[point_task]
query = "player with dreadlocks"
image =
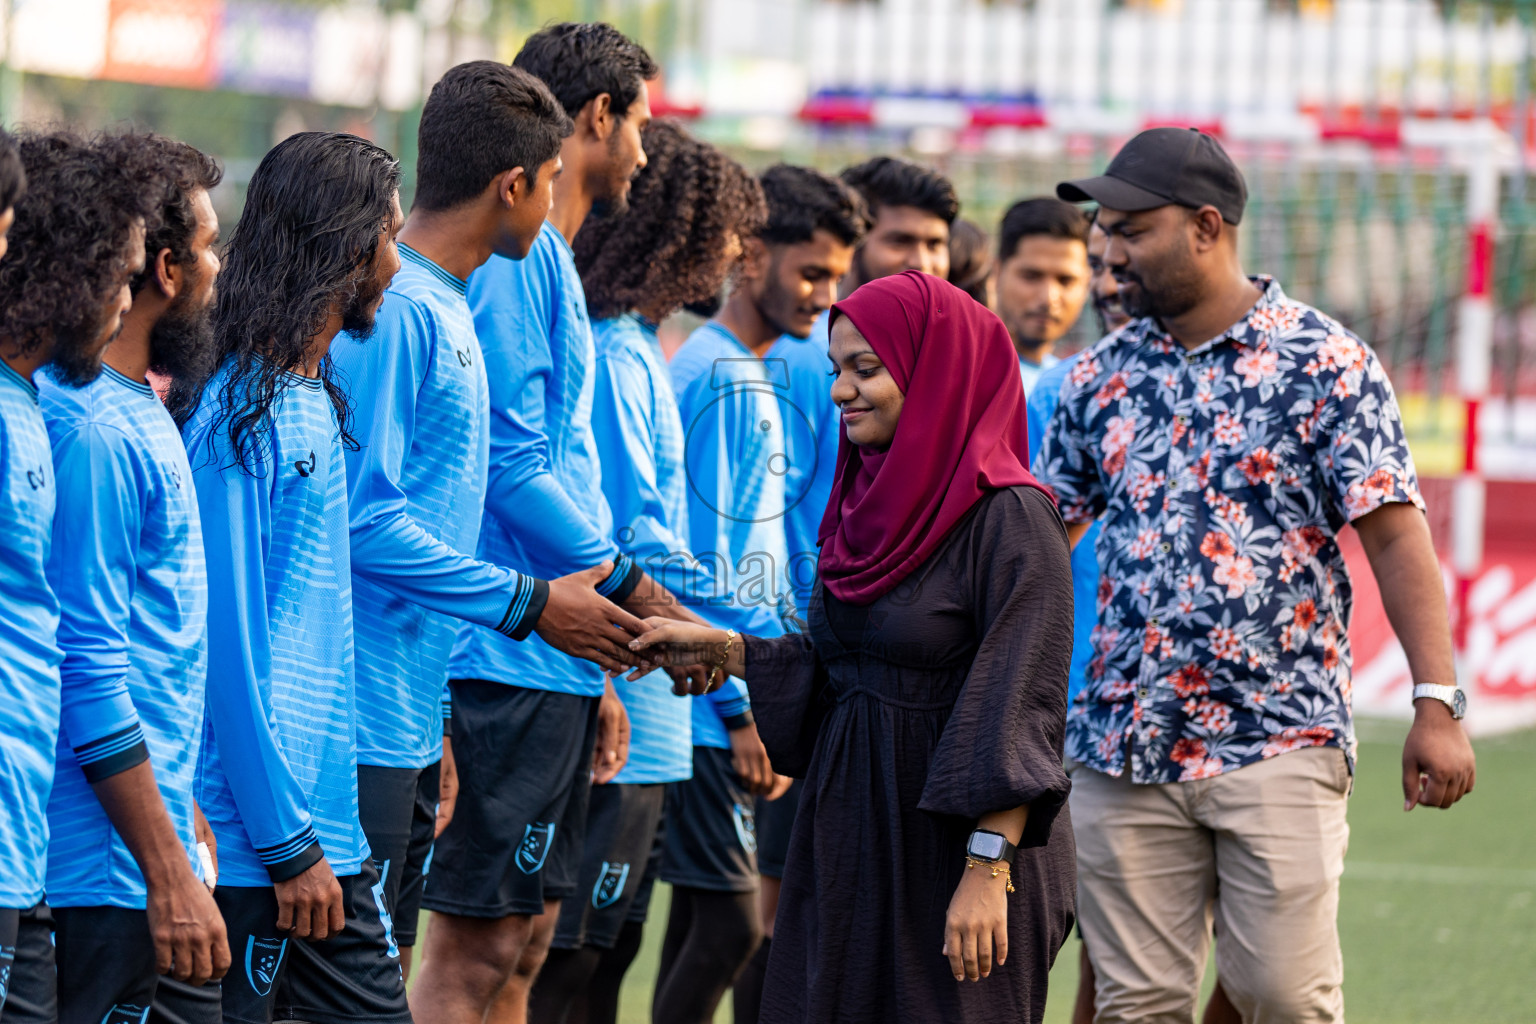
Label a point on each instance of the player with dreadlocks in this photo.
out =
(689, 211)
(277, 775)
(76, 240)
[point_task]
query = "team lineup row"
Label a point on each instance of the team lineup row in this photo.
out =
(363, 564)
(260, 586)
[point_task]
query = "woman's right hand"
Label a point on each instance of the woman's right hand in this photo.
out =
(678, 644)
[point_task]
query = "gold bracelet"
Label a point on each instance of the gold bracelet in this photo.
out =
(715, 673)
(998, 867)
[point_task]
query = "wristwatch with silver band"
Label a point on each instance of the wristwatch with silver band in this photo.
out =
(1451, 696)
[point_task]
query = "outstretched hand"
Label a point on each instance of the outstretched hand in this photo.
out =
(693, 648)
(585, 624)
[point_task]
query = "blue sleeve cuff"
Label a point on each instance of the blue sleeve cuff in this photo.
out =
(527, 604)
(292, 858)
(106, 757)
(622, 581)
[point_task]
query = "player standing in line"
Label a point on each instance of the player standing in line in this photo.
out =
(277, 775)
(513, 849)
(1042, 279)
(75, 237)
(688, 213)
(489, 153)
(735, 395)
(912, 209)
(136, 923)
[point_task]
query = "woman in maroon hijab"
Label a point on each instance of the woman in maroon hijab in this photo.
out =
(925, 707)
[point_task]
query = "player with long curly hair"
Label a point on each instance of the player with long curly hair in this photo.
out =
(277, 772)
(689, 211)
(76, 239)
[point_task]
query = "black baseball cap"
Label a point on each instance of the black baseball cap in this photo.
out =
(1181, 166)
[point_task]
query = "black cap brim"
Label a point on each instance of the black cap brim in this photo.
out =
(1111, 193)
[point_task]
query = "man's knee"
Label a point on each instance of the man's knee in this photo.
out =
(541, 932)
(1275, 992)
(471, 946)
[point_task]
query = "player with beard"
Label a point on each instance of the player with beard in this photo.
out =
(489, 155)
(688, 212)
(512, 851)
(125, 879)
(277, 772)
(1042, 279)
(735, 392)
(75, 239)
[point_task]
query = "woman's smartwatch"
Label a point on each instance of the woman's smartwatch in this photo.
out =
(991, 846)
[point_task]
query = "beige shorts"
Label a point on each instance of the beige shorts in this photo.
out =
(1269, 837)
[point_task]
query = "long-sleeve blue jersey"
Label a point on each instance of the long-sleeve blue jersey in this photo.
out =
(127, 565)
(1039, 408)
(544, 507)
(640, 440)
(812, 429)
(416, 485)
(737, 463)
(277, 775)
(29, 683)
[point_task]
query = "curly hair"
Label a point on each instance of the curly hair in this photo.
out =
(69, 247)
(305, 244)
(581, 61)
(672, 247)
(891, 181)
(13, 178)
(182, 170)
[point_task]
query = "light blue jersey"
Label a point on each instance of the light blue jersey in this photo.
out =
(127, 566)
(737, 463)
(29, 652)
(812, 429)
(640, 440)
(1031, 373)
(1040, 407)
(416, 484)
(544, 507)
(278, 769)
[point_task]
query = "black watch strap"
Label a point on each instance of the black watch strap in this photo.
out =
(990, 841)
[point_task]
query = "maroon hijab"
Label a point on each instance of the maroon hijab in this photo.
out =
(962, 433)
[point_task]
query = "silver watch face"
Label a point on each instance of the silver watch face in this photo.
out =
(1459, 704)
(986, 846)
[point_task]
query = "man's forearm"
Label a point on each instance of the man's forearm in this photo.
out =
(1397, 541)
(132, 801)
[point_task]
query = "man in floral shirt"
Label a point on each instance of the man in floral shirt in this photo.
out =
(1226, 434)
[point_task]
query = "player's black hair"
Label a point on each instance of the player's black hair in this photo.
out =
(970, 258)
(889, 181)
(69, 248)
(669, 249)
(182, 170)
(580, 61)
(801, 200)
(306, 243)
(1042, 215)
(13, 177)
(482, 119)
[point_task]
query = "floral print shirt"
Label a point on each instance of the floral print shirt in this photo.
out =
(1223, 475)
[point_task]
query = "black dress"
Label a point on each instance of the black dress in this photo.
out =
(909, 719)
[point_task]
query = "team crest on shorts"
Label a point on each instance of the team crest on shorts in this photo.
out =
(531, 852)
(610, 885)
(746, 826)
(262, 959)
(7, 957)
(126, 1013)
